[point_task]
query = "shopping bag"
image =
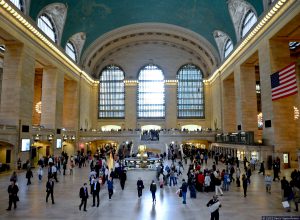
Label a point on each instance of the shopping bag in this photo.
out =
(285, 204)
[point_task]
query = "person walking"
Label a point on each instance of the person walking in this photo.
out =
(14, 177)
(96, 191)
(238, 175)
(122, 177)
(40, 173)
(153, 189)
(140, 187)
(214, 206)
(50, 189)
(245, 184)
(183, 188)
(12, 190)
(218, 186)
(268, 182)
(84, 195)
(110, 187)
(29, 175)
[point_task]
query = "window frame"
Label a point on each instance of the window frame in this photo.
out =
(107, 100)
(72, 49)
(202, 96)
(247, 21)
(226, 47)
(53, 28)
(139, 116)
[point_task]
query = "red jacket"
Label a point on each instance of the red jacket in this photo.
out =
(201, 178)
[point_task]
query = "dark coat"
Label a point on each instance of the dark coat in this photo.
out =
(140, 184)
(153, 187)
(49, 186)
(13, 191)
(97, 187)
(83, 193)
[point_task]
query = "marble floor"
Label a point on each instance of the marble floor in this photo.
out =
(126, 205)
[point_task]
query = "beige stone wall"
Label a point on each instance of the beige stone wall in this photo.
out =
(17, 85)
(130, 107)
(171, 106)
(70, 105)
(216, 104)
(229, 104)
(87, 103)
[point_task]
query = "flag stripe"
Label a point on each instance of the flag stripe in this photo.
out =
(284, 82)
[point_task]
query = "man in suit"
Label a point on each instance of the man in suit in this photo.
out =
(96, 191)
(84, 195)
(50, 188)
(13, 195)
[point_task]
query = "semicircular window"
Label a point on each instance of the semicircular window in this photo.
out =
(248, 22)
(111, 93)
(46, 25)
(19, 4)
(228, 48)
(151, 92)
(70, 50)
(190, 92)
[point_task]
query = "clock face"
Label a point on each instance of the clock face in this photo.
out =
(38, 107)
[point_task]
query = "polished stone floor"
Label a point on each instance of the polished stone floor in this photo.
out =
(126, 205)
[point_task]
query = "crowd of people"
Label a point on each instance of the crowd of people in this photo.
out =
(196, 177)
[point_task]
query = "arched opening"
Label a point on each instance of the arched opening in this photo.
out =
(46, 25)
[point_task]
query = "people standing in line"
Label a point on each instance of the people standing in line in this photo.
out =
(268, 182)
(153, 189)
(110, 187)
(12, 190)
(214, 206)
(123, 178)
(50, 189)
(84, 195)
(140, 187)
(29, 175)
(40, 173)
(245, 184)
(14, 177)
(96, 191)
(183, 188)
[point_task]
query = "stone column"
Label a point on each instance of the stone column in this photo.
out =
(17, 85)
(131, 105)
(171, 105)
(70, 105)
(52, 98)
(229, 111)
(246, 101)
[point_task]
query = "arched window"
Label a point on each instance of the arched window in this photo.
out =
(19, 4)
(111, 93)
(70, 50)
(249, 20)
(151, 93)
(190, 92)
(228, 48)
(46, 25)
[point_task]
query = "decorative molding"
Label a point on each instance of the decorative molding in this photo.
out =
(58, 14)
(78, 41)
(238, 10)
(221, 39)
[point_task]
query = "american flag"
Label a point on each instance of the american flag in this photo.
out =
(284, 82)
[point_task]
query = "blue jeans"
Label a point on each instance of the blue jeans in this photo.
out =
(173, 179)
(184, 197)
(153, 196)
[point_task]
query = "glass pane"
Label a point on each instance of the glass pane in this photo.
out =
(190, 92)
(151, 93)
(248, 22)
(70, 50)
(112, 93)
(47, 27)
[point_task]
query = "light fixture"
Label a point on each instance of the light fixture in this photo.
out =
(38, 107)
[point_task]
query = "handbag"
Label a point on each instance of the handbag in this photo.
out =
(180, 193)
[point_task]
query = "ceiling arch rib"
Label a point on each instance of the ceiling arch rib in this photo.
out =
(238, 10)
(58, 13)
(221, 38)
(169, 34)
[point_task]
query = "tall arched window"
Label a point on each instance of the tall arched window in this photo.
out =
(190, 92)
(70, 50)
(228, 48)
(19, 4)
(46, 25)
(111, 93)
(151, 92)
(249, 20)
